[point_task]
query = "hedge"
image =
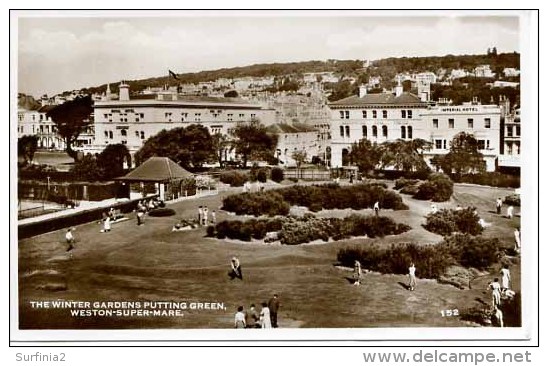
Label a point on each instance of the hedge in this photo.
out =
(513, 200)
(293, 230)
(445, 222)
(234, 178)
(493, 179)
(277, 174)
(316, 198)
(438, 188)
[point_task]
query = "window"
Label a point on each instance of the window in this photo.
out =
(374, 131)
(142, 115)
(142, 135)
(487, 144)
(384, 114)
(123, 132)
(481, 144)
(110, 135)
(342, 131)
(384, 131)
(435, 123)
(137, 133)
(518, 130)
(106, 134)
(364, 114)
(518, 148)
(403, 113)
(347, 129)
(508, 148)
(402, 132)
(487, 122)
(342, 114)
(409, 132)
(509, 131)
(445, 144)
(451, 123)
(470, 123)
(438, 144)
(374, 114)
(409, 113)
(364, 131)
(347, 114)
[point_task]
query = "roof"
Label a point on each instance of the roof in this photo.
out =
(379, 99)
(156, 169)
(290, 128)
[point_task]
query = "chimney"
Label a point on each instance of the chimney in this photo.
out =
(363, 91)
(124, 92)
(399, 90)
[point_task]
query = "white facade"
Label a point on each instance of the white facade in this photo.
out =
(458, 73)
(511, 146)
(385, 117)
(36, 123)
(510, 71)
(483, 71)
(132, 121)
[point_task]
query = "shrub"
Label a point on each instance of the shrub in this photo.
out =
(261, 203)
(411, 190)
(511, 308)
(277, 174)
(493, 179)
(513, 200)
(211, 231)
(262, 175)
(161, 212)
(438, 188)
(473, 251)
(404, 182)
(445, 222)
(235, 179)
(479, 315)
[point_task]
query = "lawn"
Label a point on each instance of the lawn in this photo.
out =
(152, 263)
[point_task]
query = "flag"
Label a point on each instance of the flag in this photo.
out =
(174, 75)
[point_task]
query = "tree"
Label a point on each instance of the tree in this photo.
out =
(111, 160)
(189, 147)
(72, 118)
(365, 155)
(26, 147)
(221, 144)
(405, 155)
(231, 94)
(251, 140)
(464, 156)
(86, 169)
(300, 157)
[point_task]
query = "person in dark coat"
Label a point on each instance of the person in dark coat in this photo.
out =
(273, 306)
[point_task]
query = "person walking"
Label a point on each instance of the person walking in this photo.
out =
(264, 317)
(377, 208)
(505, 278)
(517, 238)
(236, 269)
(412, 278)
(497, 313)
(499, 205)
(273, 306)
(239, 318)
(70, 240)
(495, 292)
(357, 273)
(510, 212)
(252, 318)
(140, 217)
(106, 225)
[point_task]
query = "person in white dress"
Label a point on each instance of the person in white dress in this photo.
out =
(505, 272)
(377, 208)
(510, 212)
(106, 225)
(239, 318)
(495, 292)
(517, 237)
(264, 317)
(357, 273)
(498, 315)
(412, 278)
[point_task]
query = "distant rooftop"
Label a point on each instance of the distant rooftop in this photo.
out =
(379, 99)
(290, 128)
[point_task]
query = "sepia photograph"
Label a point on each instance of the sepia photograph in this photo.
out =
(356, 174)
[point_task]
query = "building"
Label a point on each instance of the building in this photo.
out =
(296, 137)
(130, 121)
(425, 77)
(458, 74)
(388, 117)
(442, 123)
(510, 72)
(484, 71)
(511, 140)
(376, 117)
(35, 122)
(505, 84)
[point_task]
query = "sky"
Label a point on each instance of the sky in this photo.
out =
(72, 52)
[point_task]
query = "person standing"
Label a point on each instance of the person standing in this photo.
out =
(252, 318)
(200, 215)
(412, 278)
(497, 313)
(495, 292)
(517, 238)
(357, 273)
(505, 272)
(510, 212)
(213, 218)
(499, 205)
(206, 214)
(273, 306)
(377, 208)
(140, 216)
(236, 269)
(264, 317)
(239, 318)
(106, 224)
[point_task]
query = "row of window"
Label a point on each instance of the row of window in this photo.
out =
(406, 131)
(123, 132)
(440, 144)
(510, 131)
(470, 121)
(405, 113)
